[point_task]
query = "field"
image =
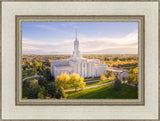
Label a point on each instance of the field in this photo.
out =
(105, 92)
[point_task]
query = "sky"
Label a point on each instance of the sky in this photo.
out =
(47, 38)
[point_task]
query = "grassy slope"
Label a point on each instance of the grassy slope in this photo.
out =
(90, 79)
(105, 92)
(96, 83)
(92, 84)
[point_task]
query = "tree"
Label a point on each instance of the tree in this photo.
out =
(33, 93)
(25, 91)
(42, 82)
(34, 89)
(110, 75)
(102, 77)
(47, 74)
(62, 80)
(76, 81)
(28, 65)
(42, 93)
(25, 88)
(52, 90)
(35, 66)
(34, 84)
(115, 59)
(24, 67)
(60, 93)
(117, 84)
(133, 76)
(49, 62)
(26, 83)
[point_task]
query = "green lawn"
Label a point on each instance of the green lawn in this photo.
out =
(105, 92)
(92, 84)
(96, 83)
(90, 79)
(25, 73)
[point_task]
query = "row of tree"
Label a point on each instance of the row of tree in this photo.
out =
(41, 89)
(122, 63)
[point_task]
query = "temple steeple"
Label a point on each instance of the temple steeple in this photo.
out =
(76, 33)
(76, 52)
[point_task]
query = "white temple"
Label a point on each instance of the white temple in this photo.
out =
(76, 64)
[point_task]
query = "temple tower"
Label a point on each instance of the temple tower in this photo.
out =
(76, 52)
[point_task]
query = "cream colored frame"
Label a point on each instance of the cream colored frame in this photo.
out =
(88, 109)
(138, 19)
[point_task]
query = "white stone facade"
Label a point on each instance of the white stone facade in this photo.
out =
(76, 64)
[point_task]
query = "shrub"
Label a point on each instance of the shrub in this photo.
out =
(60, 93)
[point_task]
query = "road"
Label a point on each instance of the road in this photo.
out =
(90, 87)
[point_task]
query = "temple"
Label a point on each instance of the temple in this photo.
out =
(77, 64)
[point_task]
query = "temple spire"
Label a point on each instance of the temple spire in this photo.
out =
(76, 33)
(76, 52)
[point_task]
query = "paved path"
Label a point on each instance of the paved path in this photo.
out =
(36, 75)
(90, 86)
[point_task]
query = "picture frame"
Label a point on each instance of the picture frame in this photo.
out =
(139, 19)
(79, 105)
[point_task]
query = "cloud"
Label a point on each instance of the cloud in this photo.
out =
(127, 45)
(47, 27)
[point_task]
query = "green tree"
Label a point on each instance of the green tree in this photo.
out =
(42, 93)
(76, 81)
(60, 93)
(25, 91)
(33, 93)
(102, 77)
(26, 83)
(42, 82)
(133, 76)
(110, 75)
(117, 84)
(36, 65)
(62, 80)
(25, 88)
(24, 67)
(52, 90)
(34, 89)
(49, 62)
(34, 84)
